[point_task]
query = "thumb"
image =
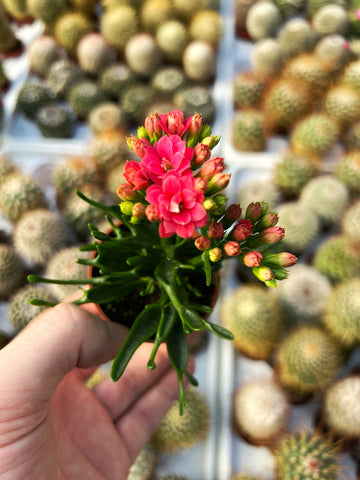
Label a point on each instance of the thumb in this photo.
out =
(55, 342)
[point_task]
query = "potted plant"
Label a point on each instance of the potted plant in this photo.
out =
(168, 238)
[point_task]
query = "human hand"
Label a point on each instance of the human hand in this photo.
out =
(54, 427)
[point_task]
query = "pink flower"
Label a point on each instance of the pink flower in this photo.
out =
(169, 153)
(135, 176)
(242, 230)
(252, 259)
(202, 153)
(173, 123)
(211, 167)
(232, 248)
(179, 205)
(138, 145)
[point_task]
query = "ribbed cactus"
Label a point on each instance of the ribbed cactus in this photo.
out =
(248, 130)
(12, 271)
(252, 314)
(347, 170)
(307, 360)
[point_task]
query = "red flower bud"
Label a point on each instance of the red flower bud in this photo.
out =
(138, 210)
(202, 153)
(202, 243)
(138, 145)
(125, 192)
(242, 230)
(211, 167)
(253, 211)
(201, 185)
(233, 212)
(152, 126)
(232, 248)
(252, 259)
(272, 235)
(152, 213)
(216, 230)
(215, 254)
(195, 125)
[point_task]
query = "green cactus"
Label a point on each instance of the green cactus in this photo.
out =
(293, 171)
(290, 8)
(46, 10)
(177, 432)
(19, 194)
(342, 102)
(12, 271)
(315, 134)
(94, 53)
(332, 51)
(84, 96)
(153, 13)
(118, 24)
(347, 170)
(338, 257)
(62, 76)
(8, 40)
(253, 189)
(307, 360)
(261, 410)
(199, 61)
(307, 68)
(17, 9)
(172, 37)
(303, 296)
(263, 20)
(296, 36)
(341, 407)
(252, 314)
(106, 116)
(327, 197)
(248, 90)
(342, 313)
(185, 9)
(248, 131)
(69, 28)
(206, 25)
(351, 221)
(42, 53)
(31, 97)
(109, 149)
(116, 79)
(330, 19)
(142, 54)
(39, 234)
(63, 265)
(307, 456)
(85, 6)
(198, 99)
(55, 120)
(144, 465)
(168, 80)
(267, 58)
(7, 167)
(314, 5)
(351, 74)
(20, 311)
(136, 101)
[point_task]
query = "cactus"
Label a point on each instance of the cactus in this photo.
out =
(342, 102)
(109, 149)
(314, 5)
(199, 61)
(136, 100)
(314, 134)
(266, 58)
(17, 9)
(8, 40)
(144, 465)
(351, 75)
(114, 177)
(168, 80)
(290, 8)
(327, 197)
(285, 102)
(263, 20)
(332, 50)
(84, 96)
(116, 79)
(118, 24)
(347, 171)
(64, 265)
(70, 28)
(253, 189)
(295, 37)
(293, 171)
(338, 257)
(206, 26)
(351, 221)
(248, 131)
(307, 68)
(46, 10)
(196, 99)
(84, 6)
(55, 120)
(252, 314)
(261, 410)
(341, 407)
(106, 116)
(39, 234)
(172, 37)
(18, 195)
(20, 311)
(7, 167)
(62, 76)
(307, 456)
(42, 53)
(142, 54)
(303, 296)
(248, 90)
(12, 271)
(94, 53)
(153, 13)
(177, 432)
(330, 19)
(307, 360)
(31, 97)
(342, 313)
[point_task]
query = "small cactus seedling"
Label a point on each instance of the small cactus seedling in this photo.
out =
(32, 96)
(342, 102)
(7, 167)
(145, 463)
(55, 120)
(351, 75)
(94, 53)
(143, 55)
(252, 189)
(263, 20)
(196, 99)
(199, 61)
(249, 130)
(267, 58)
(116, 79)
(206, 26)
(109, 149)
(347, 171)
(17, 9)
(307, 68)
(42, 53)
(291, 8)
(69, 28)
(296, 36)
(168, 80)
(46, 10)
(248, 90)
(332, 50)
(118, 24)
(84, 96)
(330, 19)
(106, 116)
(153, 13)
(12, 271)
(172, 37)
(307, 360)
(136, 101)
(62, 76)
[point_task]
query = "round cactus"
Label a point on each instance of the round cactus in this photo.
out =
(46, 10)
(291, 8)
(314, 5)
(94, 53)
(306, 456)
(351, 75)
(168, 80)
(20, 311)
(42, 53)
(252, 314)
(348, 171)
(206, 26)
(12, 271)
(17, 9)
(260, 410)
(330, 19)
(196, 99)
(154, 13)
(307, 360)
(39, 234)
(248, 131)
(327, 197)
(248, 90)
(342, 313)
(136, 100)
(116, 79)
(342, 102)
(19, 194)
(172, 37)
(338, 257)
(303, 296)
(142, 54)
(199, 61)
(63, 265)
(114, 177)
(7, 167)
(106, 116)
(118, 24)
(351, 221)
(253, 189)
(296, 36)
(84, 96)
(333, 52)
(62, 76)
(263, 20)
(69, 28)
(177, 432)
(144, 465)
(341, 407)
(266, 58)
(109, 149)
(307, 68)
(31, 97)
(55, 120)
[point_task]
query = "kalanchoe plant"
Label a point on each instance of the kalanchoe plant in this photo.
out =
(169, 235)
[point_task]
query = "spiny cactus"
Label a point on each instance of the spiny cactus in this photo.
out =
(12, 271)
(350, 225)
(263, 20)
(198, 99)
(347, 170)
(314, 5)
(342, 102)
(84, 96)
(109, 149)
(32, 96)
(295, 37)
(351, 74)
(118, 24)
(248, 90)
(94, 53)
(172, 37)
(17, 9)
(341, 407)
(332, 50)
(142, 54)
(69, 28)
(260, 410)
(168, 80)
(153, 13)
(106, 116)
(7, 167)
(342, 312)
(307, 68)
(136, 100)
(46, 10)
(116, 79)
(206, 25)
(55, 120)
(62, 76)
(307, 360)
(307, 456)
(330, 19)
(248, 131)
(252, 314)
(267, 58)
(199, 61)
(39, 234)
(144, 465)
(177, 432)
(42, 53)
